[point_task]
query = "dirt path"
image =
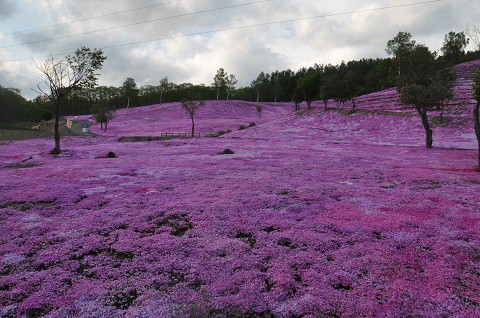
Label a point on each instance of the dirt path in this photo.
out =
(47, 132)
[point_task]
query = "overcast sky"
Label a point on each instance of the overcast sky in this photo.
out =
(342, 30)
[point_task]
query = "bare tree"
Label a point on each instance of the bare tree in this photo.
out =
(64, 76)
(191, 107)
(259, 110)
(473, 33)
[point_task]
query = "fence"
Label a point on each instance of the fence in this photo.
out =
(178, 135)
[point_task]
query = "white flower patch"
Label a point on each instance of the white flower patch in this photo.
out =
(11, 259)
(100, 189)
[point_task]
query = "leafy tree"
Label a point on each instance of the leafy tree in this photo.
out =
(476, 112)
(231, 82)
(191, 108)
(260, 84)
(220, 81)
(325, 92)
(309, 86)
(384, 71)
(297, 98)
(13, 107)
(276, 85)
(164, 87)
(103, 113)
(425, 83)
(453, 47)
(399, 46)
(62, 77)
(130, 90)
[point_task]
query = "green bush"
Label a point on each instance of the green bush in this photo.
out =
(226, 152)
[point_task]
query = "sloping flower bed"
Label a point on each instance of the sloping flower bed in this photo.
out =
(313, 215)
(171, 118)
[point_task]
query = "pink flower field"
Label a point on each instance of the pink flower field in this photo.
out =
(315, 214)
(171, 118)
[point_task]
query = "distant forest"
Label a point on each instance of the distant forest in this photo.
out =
(319, 82)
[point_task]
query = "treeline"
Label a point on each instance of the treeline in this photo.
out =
(15, 108)
(341, 82)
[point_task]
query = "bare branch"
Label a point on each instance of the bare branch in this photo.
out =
(473, 33)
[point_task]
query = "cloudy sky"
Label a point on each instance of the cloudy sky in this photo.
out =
(188, 40)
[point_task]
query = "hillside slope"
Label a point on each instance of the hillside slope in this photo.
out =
(461, 105)
(310, 217)
(171, 118)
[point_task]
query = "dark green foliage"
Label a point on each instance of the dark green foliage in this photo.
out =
(220, 81)
(309, 86)
(13, 107)
(242, 127)
(21, 166)
(454, 46)
(226, 152)
(252, 125)
(102, 113)
(124, 299)
(130, 91)
(400, 45)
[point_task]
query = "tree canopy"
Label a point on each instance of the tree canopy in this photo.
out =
(60, 78)
(425, 83)
(454, 45)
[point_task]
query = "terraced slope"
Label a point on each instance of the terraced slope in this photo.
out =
(462, 103)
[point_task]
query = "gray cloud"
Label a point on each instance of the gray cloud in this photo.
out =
(7, 8)
(243, 52)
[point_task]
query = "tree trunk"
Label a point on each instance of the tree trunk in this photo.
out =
(476, 113)
(218, 94)
(228, 94)
(56, 150)
(354, 107)
(428, 131)
(161, 95)
(105, 129)
(128, 102)
(193, 128)
(258, 97)
(325, 103)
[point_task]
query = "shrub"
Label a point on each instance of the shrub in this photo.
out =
(111, 154)
(226, 152)
(242, 127)
(252, 125)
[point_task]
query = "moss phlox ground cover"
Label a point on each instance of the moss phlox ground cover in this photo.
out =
(312, 214)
